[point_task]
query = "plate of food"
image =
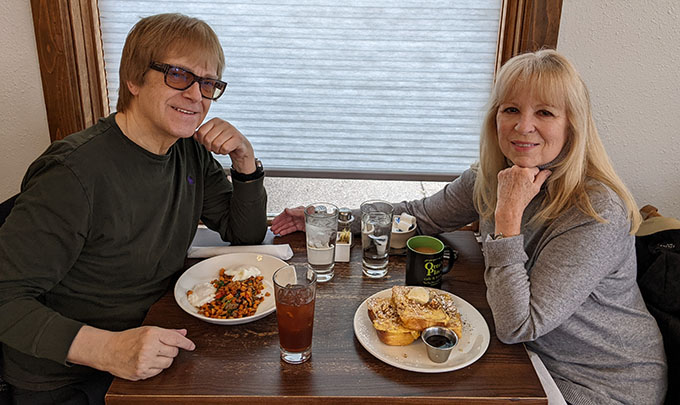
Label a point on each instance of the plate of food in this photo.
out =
(388, 325)
(229, 289)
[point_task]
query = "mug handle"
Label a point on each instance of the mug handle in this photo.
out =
(452, 256)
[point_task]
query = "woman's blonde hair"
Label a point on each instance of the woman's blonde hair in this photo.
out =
(159, 36)
(554, 81)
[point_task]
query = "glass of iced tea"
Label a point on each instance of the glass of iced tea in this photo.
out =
(295, 294)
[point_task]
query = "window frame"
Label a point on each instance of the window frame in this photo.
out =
(69, 43)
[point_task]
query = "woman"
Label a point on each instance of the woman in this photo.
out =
(558, 227)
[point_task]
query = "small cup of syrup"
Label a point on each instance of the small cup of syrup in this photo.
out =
(439, 343)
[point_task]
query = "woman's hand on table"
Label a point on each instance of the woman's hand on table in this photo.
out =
(289, 221)
(133, 354)
(517, 186)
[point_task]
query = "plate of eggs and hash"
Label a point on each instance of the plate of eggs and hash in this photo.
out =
(229, 289)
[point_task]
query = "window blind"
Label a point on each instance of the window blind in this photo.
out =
(345, 87)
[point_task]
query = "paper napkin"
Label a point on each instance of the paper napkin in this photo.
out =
(208, 243)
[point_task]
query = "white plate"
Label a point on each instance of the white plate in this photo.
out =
(413, 357)
(209, 269)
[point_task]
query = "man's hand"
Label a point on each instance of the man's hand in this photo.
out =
(133, 354)
(221, 137)
(289, 221)
(517, 186)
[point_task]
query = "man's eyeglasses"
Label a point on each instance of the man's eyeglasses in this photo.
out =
(182, 79)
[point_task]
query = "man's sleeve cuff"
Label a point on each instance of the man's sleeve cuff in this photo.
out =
(244, 178)
(56, 338)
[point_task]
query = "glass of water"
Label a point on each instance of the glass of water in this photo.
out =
(321, 228)
(376, 228)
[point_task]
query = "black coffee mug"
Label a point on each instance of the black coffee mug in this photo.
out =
(425, 261)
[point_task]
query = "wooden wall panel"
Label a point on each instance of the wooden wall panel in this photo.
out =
(527, 25)
(71, 63)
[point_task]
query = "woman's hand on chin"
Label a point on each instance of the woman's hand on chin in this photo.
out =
(517, 186)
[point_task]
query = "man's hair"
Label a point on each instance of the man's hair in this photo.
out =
(553, 80)
(160, 36)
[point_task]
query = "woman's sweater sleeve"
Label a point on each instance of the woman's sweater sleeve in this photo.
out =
(446, 210)
(574, 255)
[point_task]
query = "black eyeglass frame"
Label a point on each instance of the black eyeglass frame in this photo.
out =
(165, 68)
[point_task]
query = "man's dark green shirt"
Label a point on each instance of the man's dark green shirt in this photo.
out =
(99, 231)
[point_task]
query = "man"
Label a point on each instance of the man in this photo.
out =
(106, 215)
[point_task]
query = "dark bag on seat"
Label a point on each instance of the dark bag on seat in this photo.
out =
(658, 259)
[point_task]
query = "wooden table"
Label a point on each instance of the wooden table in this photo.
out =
(240, 364)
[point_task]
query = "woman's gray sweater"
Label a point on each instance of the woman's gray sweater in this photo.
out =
(568, 291)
